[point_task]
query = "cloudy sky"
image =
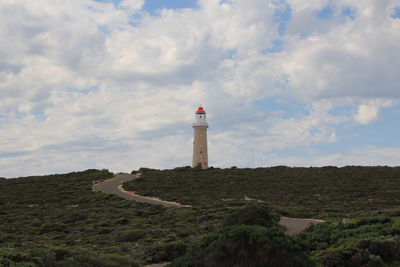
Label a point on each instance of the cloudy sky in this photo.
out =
(115, 83)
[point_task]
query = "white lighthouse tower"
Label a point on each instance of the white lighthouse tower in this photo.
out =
(200, 153)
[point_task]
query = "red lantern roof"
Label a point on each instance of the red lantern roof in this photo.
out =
(200, 110)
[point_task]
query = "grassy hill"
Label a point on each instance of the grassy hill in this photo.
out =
(299, 192)
(58, 220)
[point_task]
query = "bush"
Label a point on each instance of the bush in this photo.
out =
(147, 170)
(246, 245)
(121, 221)
(182, 169)
(329, 258)
(368, 252)
(53, 227)
(85, 258)
(396, 226)
(167, 251)
(388, 249)
(14, 259)
(131, 236)
(251, 214)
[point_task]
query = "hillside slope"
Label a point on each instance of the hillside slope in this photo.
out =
(297, 192)
(58, 220)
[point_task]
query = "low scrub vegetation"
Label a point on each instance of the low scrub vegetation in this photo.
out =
(251, 237)
(298, 192)
(58, 220)
(367, 241)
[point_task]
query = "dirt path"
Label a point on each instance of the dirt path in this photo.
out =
(114, 186)
(296, 225)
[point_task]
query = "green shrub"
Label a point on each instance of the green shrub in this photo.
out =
(246, 245)
(53, 227)
(131, 236)
(251, 214)
(352, 223)
(329, 258)
(396, 226)
(166, 251)
(15, 259)
(147, 170)
(121, 221)
(182, 169)
(368, 252)
(388, 249)
(62, 257)
(321, 236)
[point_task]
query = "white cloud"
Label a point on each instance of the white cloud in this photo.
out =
(366, 114)
(351, 59)
(369, 111)
(132, 5)
(83, 85)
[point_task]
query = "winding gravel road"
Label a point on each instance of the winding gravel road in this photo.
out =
(114, 186)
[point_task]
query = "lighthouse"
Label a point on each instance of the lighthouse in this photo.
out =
(200, 153)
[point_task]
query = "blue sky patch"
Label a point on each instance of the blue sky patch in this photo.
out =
(384, 131)
(282, 16)
(325, 13)
(152, 5)
(380, 133)
(230, 54)
(83, 91)
(344, 110)
(115, 2)
(103, 29)
(289, 109)
(348, 12)
(135, 20)
(40, 115)
(396, 13)
(276, 47)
